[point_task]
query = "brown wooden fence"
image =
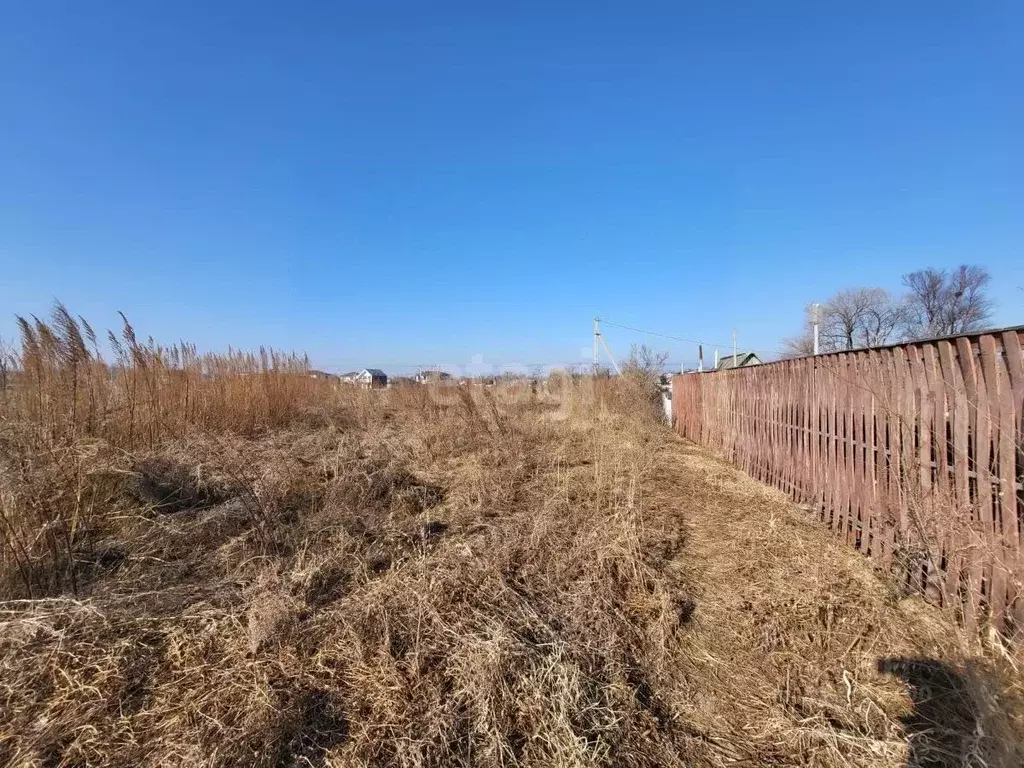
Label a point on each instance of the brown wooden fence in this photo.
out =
(912, 453)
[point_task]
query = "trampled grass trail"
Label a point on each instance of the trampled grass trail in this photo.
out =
(799, 653)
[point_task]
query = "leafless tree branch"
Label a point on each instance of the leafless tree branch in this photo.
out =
(944, 303)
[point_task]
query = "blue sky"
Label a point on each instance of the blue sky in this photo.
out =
(397, 184)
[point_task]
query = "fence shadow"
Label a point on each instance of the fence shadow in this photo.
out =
(943, 726)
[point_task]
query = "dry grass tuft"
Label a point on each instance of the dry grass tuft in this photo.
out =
(459, 576)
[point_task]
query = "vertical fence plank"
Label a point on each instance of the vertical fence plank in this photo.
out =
(935, 475)
(807, 479)
(854, 440)
(1015, 368)
(942, 412)
(869, 385)
(862, 449)
(950, 401)
(835, 461)
(842, 445)
(996, 412)
(884, 501)
(919, 497)
(903, 445)
(879, 488)
(1013, 498)
(973, 387)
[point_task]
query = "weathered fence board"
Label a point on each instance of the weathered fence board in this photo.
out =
(912, 453)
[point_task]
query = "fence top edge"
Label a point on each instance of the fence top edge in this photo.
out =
(971, 335)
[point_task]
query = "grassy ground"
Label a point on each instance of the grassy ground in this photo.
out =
(451, 577)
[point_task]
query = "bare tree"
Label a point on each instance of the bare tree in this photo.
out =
(644, 363)
(840, 319)
(926, 292)
(798, 346)
(860, 317)
(938, 303)
(643, 369)
(883, 319)
(851, 319)
(945, 303)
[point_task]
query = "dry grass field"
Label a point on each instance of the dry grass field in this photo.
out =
(221, 561)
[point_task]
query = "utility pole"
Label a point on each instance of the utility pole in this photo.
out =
(600, 338)
(815, 321)
(611, 356)
(733, 347)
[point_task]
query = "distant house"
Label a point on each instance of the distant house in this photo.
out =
(323, 375)
(372, 378)
(433, 377)
(350, 377)
(743, 360)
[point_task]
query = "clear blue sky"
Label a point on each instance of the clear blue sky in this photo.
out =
(401, 183)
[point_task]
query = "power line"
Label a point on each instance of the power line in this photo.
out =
(680, 338)
(667, 335)
(449, 365)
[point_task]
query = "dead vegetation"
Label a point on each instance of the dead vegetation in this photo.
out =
(228, 563)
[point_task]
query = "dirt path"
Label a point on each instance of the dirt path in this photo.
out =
(798, 648)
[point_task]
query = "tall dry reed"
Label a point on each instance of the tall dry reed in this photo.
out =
(71, 418)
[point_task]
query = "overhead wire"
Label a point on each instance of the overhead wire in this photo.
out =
(680, 338)
(450, 365)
